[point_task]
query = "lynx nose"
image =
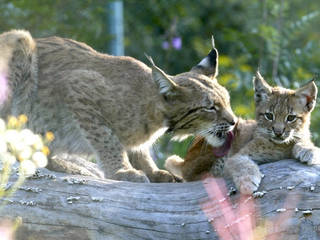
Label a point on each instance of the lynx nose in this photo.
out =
(232, 122)
(229, 117)
(278, 131)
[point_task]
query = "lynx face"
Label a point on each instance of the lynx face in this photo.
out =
(198, 104)
(283, 114)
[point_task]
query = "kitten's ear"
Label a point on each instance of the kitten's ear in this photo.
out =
(166, 86)
(307, 96)
(209, 65)
(261, 88)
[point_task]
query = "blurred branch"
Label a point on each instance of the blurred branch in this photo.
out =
(276, 59)
(263, 21)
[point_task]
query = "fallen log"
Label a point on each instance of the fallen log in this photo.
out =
(60, 206)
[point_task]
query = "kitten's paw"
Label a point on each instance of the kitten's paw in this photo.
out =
(244, 172)
(161, 176)
(130, 175)
(247, 184)
(311, 155)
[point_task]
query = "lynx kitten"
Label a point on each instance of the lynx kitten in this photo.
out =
(281, 130)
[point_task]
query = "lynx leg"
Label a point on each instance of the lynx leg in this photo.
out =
(113, 158)
(174, 165)
(142, 160)
(244, 172)
(111, 154)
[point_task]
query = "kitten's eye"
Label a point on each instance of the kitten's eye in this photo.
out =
(269, 116)
(291, 118)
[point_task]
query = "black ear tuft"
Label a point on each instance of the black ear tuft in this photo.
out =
(209, 65)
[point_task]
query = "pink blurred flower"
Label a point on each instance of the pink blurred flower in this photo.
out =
(6, 230)
(3, 88)
(236, 220)
(225, 219)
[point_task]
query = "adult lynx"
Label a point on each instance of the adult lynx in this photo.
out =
(105, 105)
(281, 130)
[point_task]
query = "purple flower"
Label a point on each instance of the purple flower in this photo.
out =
(165, 45)
(176, 43)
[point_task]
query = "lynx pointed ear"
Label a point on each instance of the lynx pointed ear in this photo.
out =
(261, 88)
(212, 42)
(307, 95)
(165, 84)
(209, 65)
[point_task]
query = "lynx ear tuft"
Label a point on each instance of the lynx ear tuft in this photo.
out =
(307, 96)
(209, 65)
(212, 42)
(149, 59)
(165, 84)
(261, 88)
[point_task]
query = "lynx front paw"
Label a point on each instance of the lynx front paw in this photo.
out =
(130, 175)
(307, 155)
(161, 176)
(244, 172)
(247, 184)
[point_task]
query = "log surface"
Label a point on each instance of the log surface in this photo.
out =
(60, 206)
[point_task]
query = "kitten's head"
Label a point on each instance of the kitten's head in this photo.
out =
(195, 102)
(283, 115)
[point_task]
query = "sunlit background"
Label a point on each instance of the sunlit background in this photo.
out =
(282, 37)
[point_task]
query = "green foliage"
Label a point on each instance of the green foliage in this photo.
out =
(280, 37)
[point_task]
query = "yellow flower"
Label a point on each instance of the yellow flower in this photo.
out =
(25, 154)
(7, 158)
(22, 119)
(11, 136)
(28, 137)
(39, 159)
(12, 122)
(3, 145)
(38, 144)
(49, 136)
(2, 126)
(225, 78)
(245, 68)
(27, 167)
(225, 61)
(45, 150)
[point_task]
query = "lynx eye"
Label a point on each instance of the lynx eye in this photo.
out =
(291, 118)
(269, 116)
(211, 109)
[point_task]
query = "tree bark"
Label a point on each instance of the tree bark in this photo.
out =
(78, 207)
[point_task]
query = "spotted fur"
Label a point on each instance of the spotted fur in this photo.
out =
(281, 131)
(283, 120)
(105, 106)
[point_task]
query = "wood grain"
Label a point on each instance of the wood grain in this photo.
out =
(77, 207)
